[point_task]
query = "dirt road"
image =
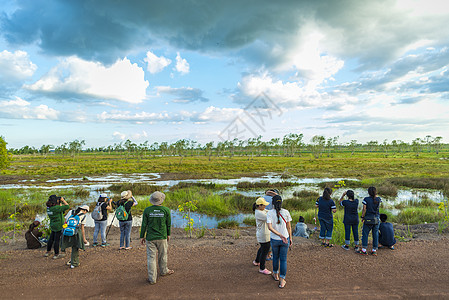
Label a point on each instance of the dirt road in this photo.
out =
(219, 267)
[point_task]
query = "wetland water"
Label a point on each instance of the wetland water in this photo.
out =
(95, 184)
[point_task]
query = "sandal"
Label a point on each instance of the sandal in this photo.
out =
(255, 263)
(374, 253)
(275, 276)
(329, 245)
(169, 272)
(282, 286)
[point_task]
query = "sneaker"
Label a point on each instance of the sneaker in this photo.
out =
(356, 248)
(94, 244)
(266, 272)
(72, 267)
(346, 247)
(373, 253)
(69, 263)
(392, 248)
(104, 245)
(362, 252)
(59, 256)
(47, 254)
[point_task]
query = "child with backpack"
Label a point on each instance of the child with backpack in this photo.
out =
(123, 214)
(74, 235)
(100, 217)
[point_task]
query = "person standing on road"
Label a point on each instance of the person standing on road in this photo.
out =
(155, 234)
(370, 214)
(326, 206)
(262, 234)
(100, 225)
(279, 223)
(351, 219)
(79, 240)
(128, 201)
(55, 209)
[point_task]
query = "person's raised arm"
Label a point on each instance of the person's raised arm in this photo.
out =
(342, 197)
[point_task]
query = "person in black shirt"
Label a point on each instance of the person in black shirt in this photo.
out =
(100, 225)
(128, 201)
(386, 233)
(351, 219)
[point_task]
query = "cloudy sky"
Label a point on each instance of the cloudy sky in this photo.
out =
(106, 71)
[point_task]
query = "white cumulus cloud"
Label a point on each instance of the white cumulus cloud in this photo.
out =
(15, 66)
(182, 66)
(156, 64)
(21, 109)
(77, 78)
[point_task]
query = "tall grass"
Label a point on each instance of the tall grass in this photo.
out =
(244, 185)
(136, 188)
(418, 215)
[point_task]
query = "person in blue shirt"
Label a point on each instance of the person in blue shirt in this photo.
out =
(370, 212)
(386, 233)
(301, 229)
(326, 206)
(350, 219)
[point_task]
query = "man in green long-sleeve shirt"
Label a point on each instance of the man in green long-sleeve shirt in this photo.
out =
(156, 224)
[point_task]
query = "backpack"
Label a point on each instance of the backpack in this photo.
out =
(97, 213)
(72, 225)
(121, 213)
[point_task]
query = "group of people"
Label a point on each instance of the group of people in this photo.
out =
(273, 227)
(69, 231)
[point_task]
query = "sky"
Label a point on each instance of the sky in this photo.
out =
(107, 71)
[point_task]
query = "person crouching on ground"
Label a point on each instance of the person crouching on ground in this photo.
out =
(386, 233)
(78, 241)
(33, 236)
(350, 219)
(55, 209)
(155, 233)
(279, 223)
(326, 206)
(262, 234)
(301, 229)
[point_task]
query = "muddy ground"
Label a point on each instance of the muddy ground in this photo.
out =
(218, 266)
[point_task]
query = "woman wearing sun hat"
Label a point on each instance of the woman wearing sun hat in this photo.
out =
(128, 201)
(262, 234)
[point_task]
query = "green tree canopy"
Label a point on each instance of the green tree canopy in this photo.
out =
(4, 157)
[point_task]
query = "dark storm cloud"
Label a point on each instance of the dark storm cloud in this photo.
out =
(106, 30)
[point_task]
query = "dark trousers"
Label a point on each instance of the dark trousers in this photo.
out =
(355, 232)
(55, 237)
(262, 254)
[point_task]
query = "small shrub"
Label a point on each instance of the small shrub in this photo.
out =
(228, 224)
(418, 215)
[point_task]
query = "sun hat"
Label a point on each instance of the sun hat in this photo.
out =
(85, 207)
(157, 198)
(262, 201)
(126, 194)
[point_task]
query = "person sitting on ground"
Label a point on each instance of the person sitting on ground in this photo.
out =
(350, 219)
(77, 241)
(301, 229)
(100, 225)
(326, 208)
(33, 236)
(155, 234)
(262, 234)
(55, 208)
(386, 233)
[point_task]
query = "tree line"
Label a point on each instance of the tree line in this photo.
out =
(288, 146)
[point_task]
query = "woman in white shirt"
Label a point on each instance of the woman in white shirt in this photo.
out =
(279, 223)
(262, 234)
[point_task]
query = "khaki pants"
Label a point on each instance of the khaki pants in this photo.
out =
(156, 249)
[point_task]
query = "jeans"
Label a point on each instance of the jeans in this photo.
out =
(262, 254)
(326, 228)
(100, 226)
(55, 237)
(355, 232)
(156, 249)
(365, 232)
(125, 232)
(280, 250)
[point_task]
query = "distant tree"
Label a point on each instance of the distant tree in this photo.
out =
(4, 156)
(437, 144)
(318, 142)
(45, 149)
(208, 149)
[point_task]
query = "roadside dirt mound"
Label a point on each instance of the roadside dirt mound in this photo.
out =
(218, 266)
